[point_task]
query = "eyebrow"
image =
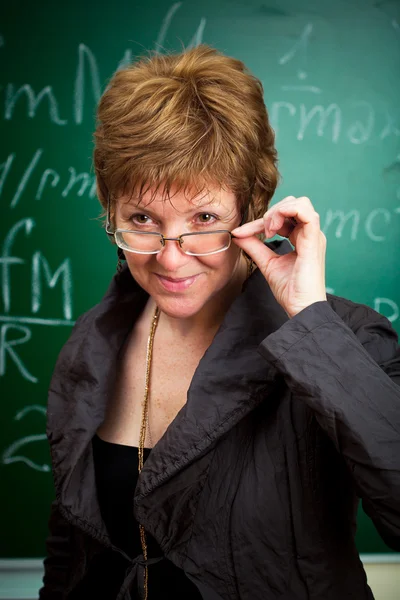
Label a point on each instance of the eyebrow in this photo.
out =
(148, 210)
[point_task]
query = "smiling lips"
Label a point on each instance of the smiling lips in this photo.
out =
(176, 284)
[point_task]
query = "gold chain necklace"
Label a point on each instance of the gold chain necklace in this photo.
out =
(144, 423)
(145, 418)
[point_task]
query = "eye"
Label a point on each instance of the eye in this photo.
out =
(139, 219)
(206, 218)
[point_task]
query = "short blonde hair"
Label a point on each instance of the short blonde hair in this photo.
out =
(186, 120)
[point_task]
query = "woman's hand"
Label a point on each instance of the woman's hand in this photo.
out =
(296, 279)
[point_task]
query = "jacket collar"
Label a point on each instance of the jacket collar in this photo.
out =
(231, 380)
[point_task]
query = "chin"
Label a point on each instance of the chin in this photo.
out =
(179, 307)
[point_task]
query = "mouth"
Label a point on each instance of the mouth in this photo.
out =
(176, 284)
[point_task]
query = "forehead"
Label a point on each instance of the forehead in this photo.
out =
(182, 200)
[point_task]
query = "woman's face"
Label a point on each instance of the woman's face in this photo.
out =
(182, 285)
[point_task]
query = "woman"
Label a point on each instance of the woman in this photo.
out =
(257, 408)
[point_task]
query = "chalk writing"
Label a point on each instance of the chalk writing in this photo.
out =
(47, 173)
(10, 455)
(301, 46)
(165, 26)
(25, 177)
(85, 55)
(198, 35)
(87, 75)
(196, 39)
(378, 217)
(33, 100)
(64, 271)
(87, 182)
(302, 88)
(360, 132)
(4, 170)
(323, 116)
(36, 321)
(342, 218)
(6, 260)
(126, 60)
(327, 121)
(7, 348)
(379, 304)
(81, 182)
(41, 273)
(384, 215)
(390, 127)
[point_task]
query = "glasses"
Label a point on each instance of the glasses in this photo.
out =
(194, 244)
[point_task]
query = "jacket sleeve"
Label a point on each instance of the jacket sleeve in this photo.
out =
(56, 564)
(348, 372)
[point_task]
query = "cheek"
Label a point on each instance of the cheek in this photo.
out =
(217, 265)
(138, 263)
(224, 262)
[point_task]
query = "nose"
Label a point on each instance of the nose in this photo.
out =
(171, 257)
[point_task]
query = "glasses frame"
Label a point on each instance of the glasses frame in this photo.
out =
(113, 233)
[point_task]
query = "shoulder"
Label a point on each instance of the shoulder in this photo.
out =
(70, 351)
(373, 330)
(109, 318)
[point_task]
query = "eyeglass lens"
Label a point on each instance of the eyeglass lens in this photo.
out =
(194, 244)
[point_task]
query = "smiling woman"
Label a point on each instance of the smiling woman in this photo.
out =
(213, 426)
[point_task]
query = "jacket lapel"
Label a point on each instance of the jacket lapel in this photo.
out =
(81, 384)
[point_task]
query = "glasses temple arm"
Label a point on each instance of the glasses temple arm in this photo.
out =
(109, 230)
(244, 218)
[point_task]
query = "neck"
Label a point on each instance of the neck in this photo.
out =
(206, 322)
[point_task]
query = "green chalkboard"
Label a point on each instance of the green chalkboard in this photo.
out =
(330, 71)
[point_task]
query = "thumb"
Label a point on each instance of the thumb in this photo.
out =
(257, 250)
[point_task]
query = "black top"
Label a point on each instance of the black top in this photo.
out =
(116, 470)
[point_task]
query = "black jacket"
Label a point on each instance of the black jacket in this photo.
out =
(253, 489)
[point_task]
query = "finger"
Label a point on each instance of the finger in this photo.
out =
(258, 226)
(287, 229)
(257, 250)
(283, 227)
(301, 210)
(248, 229)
